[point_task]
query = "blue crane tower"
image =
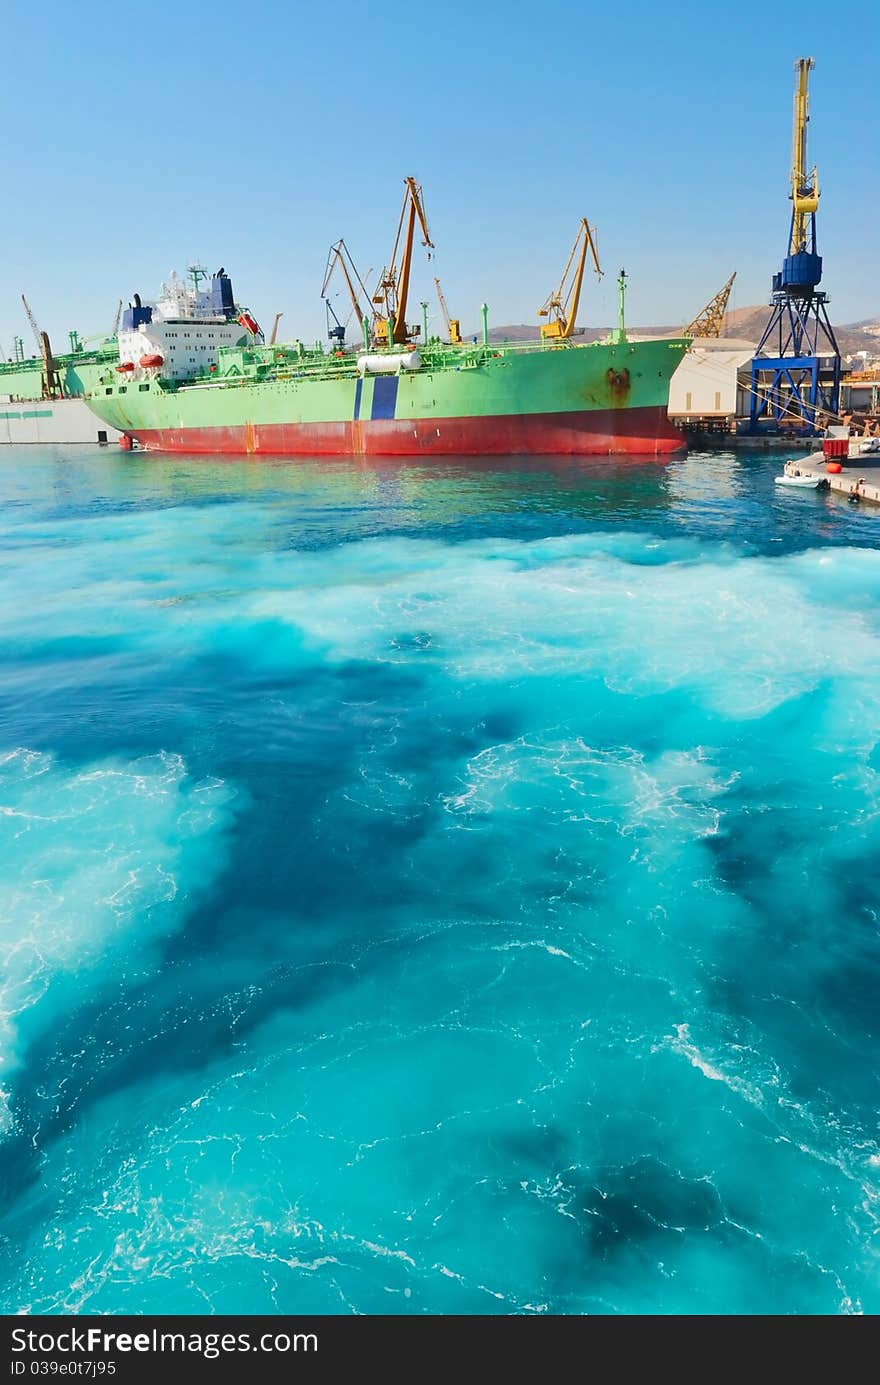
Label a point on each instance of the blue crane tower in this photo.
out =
(797, 380)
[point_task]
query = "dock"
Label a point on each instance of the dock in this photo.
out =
(859, 478)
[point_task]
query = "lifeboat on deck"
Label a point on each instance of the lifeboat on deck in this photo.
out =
(152, 362)
(125, 366)
(250, 322)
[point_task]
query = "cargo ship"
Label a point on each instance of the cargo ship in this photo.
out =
(195, 375)
(40, 405)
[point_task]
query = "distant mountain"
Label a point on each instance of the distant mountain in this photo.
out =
(747, 324)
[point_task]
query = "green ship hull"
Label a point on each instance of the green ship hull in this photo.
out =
(79, 372)
(597, 399)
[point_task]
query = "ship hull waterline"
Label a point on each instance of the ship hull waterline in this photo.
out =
(598, 433)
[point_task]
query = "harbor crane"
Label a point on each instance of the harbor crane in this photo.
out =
(795, 374)
(561, 307)
(453, 324)
(33, 321)
(709, 321)
(392, 290)
(50, 379)
(78, 343)
(339, 256)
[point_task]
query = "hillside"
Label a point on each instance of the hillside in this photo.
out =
(744, 323)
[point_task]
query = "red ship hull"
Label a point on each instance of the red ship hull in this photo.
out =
(644, 432)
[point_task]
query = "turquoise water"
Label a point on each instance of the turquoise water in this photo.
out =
(437, 888)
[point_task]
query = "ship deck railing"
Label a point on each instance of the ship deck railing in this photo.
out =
(281, 367)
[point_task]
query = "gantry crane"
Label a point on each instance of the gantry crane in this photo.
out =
(453, 324)
(392, 291)
(798, 374)
(340, 255)
(561, 307)
(710, 320)
(50, 378)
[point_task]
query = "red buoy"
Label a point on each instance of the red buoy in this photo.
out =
(152, 362)
(833, 467)
(125, 442)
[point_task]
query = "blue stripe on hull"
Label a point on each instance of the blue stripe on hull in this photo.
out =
(384, 396)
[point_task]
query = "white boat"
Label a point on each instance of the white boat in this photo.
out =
(804, 482)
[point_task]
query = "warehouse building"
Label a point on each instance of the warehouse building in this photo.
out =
(709, 390)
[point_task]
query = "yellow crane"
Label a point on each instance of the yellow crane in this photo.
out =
(453, 324)
(393, 288)
(710, 320)
(50, 378)
(804, 185)
(561, 307)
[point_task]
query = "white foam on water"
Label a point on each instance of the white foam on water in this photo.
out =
(94, 865)
(666, 798)
(751, 1091)
(97, 863)
(743, 635)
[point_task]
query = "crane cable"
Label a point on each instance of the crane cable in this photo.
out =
(722, 378)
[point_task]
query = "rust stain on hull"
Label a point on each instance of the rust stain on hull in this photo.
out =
(618, 382)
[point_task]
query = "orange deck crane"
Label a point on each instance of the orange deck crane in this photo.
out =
(392, 291)
(453, 324)
(561, 307)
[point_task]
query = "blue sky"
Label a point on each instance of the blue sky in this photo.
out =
(142, 136)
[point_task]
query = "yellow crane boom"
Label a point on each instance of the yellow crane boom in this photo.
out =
(50, 378)
(709, 321)
(453, 324)
(804, 184)
(561, 307)
(392, 291)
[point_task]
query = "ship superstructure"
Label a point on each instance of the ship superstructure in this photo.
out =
(179, 336)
